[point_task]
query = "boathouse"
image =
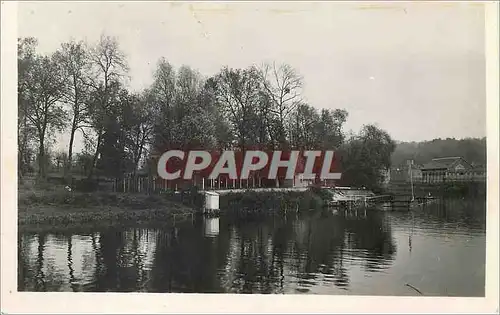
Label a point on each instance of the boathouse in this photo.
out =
(451, 169)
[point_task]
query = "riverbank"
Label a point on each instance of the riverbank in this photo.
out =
(60, 208)
(446, 189)
(249, 201)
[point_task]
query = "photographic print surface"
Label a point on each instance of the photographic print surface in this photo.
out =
(268, 148)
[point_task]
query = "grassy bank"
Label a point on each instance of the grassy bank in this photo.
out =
(62, 208)
(56, 208)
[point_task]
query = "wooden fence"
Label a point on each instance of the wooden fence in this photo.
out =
(143, 184)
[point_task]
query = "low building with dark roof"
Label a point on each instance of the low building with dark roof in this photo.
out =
(451, 169)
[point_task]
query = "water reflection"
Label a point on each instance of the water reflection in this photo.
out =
(212, 226)
(369, 252)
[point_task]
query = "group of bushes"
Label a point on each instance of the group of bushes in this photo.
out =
(274, 201)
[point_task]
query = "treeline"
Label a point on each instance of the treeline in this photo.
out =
(473, 150)
(83, 87)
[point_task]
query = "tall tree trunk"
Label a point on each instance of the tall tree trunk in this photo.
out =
(96, 154)
(41, 159)
(23, 147)
(69, 162)
(138, 158)
(74, 125)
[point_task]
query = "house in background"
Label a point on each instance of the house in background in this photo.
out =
(451, 169)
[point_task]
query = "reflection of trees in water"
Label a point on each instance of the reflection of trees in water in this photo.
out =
(27, 262)
(314, 249)
(186, 261)
(80, 261)
(23, 270)
(370, 238)
(39, 276)
(32, 263)
(245, 257)
(107, 277)
(258, 263)
(72, 278)
(124, 259)
(46, 262)
(317, 249)
(110, 261)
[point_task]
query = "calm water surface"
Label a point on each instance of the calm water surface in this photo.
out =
(440, 250)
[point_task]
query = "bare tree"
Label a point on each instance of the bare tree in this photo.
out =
(75, 62)
(237, 91)
(26, 56)
(183, 117)
(283, 86)
(164, 83)
(109, 67)
(140, 115)
(313, 129)
(302, 123)
(43, 89)
(162, 96)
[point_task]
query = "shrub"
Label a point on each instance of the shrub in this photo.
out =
(251, 200)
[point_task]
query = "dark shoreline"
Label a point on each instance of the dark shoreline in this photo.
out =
(70, 218)
(54, 210)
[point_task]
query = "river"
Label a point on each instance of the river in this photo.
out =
(438, 250)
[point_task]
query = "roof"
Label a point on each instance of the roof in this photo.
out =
(443, 163)
(448, 161)
(211, 193)
(432, 165)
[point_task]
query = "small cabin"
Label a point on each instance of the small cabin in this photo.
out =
(211, 200)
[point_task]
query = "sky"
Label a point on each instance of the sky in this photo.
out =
(416, 70)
